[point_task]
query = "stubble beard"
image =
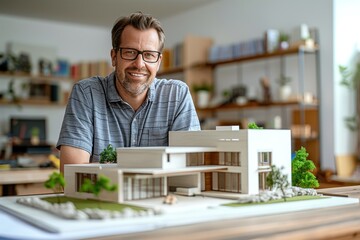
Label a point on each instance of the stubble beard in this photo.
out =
(130, 87)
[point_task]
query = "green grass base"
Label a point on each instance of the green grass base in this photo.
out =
(81, 204)
(292, 199)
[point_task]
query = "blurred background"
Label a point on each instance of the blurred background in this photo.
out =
(275, 63)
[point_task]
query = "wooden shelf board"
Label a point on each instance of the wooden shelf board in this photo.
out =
(277, 53)
(33, 102)
(251, 105)
(34, 77)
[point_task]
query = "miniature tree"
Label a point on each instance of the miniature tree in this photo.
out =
(102, 183)
(108, 155)
(253, 125)
(56, 182)
(277, 180)
(301, 170)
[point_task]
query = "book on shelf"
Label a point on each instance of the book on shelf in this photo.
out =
(83, 70)
(172, 57)
(178, 55)
(236, 50)
(166, 59)
(272, 40)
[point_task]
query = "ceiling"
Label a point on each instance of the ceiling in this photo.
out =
(100, 13)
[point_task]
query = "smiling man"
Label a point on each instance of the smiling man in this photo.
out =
(130, 107)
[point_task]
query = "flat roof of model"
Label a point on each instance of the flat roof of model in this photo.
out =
(167, 149)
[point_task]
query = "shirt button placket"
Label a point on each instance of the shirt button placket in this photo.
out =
(134, 132)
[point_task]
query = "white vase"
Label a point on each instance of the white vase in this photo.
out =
(284, 92)
(203, 98)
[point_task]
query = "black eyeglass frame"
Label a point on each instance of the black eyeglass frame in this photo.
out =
(141, 53)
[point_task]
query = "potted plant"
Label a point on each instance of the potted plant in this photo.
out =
(347, 164)
(202, 92)
(285, 88)
(35, 136)
(25, 90)
(283, 41)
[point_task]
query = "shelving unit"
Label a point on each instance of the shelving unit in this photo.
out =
(194, 55)
(302, 114)
(47, 85)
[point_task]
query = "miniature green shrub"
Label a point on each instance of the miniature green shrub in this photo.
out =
(56, 182)
(253, 125)
(108, 155)
(102, 183)
(301, 170)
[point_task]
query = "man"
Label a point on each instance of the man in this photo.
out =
(130, 107)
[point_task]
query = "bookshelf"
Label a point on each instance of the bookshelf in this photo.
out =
(304, 116)
(196, 68)
(47, 90)
(40, 89)
(193, 55)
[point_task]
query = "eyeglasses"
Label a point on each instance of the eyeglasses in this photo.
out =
(147, 55)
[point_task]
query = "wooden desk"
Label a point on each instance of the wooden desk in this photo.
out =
(346, 181)
(327, 223)
(23, 181)
(341, 222)
(349, 191)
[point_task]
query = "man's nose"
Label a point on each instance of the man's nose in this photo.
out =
(139, 61)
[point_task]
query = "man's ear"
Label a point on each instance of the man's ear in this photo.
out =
(113, 57)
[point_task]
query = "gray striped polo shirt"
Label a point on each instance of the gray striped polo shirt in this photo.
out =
(97, 116)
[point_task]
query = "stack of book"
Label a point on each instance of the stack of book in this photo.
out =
(88, 69)
(236, 50)
(172, 57)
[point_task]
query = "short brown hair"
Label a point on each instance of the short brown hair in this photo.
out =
(139, 21)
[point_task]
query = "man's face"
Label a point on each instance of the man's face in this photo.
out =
(135, 76)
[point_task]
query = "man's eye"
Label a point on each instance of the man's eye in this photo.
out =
(130, 52)
(149, 55)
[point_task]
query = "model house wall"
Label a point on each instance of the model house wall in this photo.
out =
(154, 157)
(76, 173)
(252, 145)
(244, 160)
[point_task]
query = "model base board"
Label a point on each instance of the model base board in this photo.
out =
(188, 210)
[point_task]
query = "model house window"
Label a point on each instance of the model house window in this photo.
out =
(142, 188)
(80, 179)
(195, 159)
(262, 180)
(264, 158)
(235, 159)
(227, 182)
(229, 158)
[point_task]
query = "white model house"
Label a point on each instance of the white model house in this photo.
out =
(220, 161)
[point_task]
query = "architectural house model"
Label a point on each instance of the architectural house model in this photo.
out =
(219, 161)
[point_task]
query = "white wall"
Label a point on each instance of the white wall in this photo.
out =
(73, 42)
(228, 21)
(347, 49)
